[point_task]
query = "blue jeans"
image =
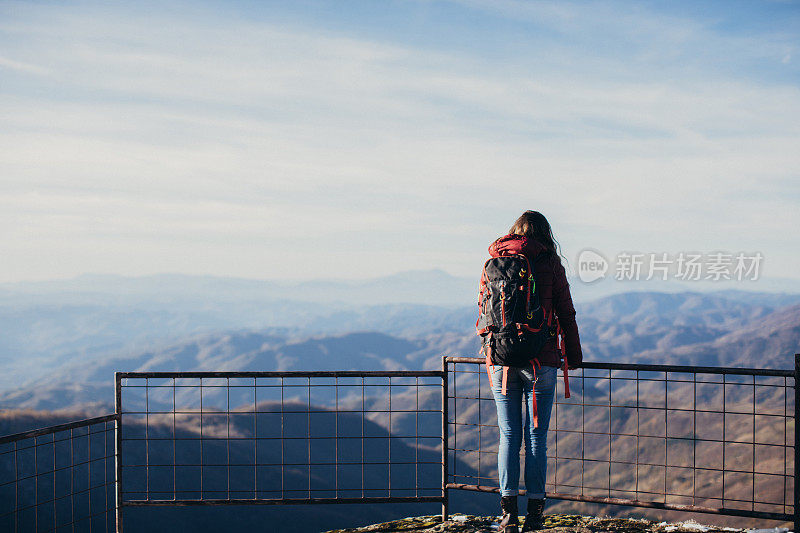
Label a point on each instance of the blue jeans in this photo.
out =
(512, 426)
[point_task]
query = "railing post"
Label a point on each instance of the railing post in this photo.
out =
(796, 440)
(118, 450)
(445, 437)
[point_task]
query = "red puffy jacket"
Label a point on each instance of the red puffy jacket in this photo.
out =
(554, 295)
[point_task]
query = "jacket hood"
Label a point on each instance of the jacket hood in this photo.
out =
(517, 244)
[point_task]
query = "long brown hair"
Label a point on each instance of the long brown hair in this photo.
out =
(534, 225)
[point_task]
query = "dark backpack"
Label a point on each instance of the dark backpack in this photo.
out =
(511, 321)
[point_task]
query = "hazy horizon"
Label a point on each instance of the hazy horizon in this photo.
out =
(724, 285)
(434, 288)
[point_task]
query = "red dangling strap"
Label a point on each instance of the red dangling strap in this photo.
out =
(488, 351)
(505, 380)
(562, 347)
(535, 415)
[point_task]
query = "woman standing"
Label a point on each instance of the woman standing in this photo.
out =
(532, 237)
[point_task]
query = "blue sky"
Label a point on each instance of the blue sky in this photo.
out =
(291, 139)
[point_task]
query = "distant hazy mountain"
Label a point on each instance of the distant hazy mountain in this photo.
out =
(84, 382)
(768, 342)
(685, 328)
(430, 287)
(47, 325)
(720, 329)
(433, 287)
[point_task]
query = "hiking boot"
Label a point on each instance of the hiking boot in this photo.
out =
(509, 522)
(534, 520)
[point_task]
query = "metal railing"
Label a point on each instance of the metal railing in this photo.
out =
(272, 438)
(698, 439)
(59, 478)
(686, 438)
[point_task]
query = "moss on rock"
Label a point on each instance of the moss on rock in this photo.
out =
(459, 523)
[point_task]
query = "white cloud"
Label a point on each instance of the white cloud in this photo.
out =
(192, 133)
(22, 67)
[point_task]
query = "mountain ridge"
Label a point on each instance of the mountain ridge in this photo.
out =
(686, 328)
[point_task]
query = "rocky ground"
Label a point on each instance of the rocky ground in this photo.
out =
(459, 523)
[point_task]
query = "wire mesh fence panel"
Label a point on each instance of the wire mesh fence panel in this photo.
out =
(672, 437)
(686, 438)
(59, 478)
(280, 437)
